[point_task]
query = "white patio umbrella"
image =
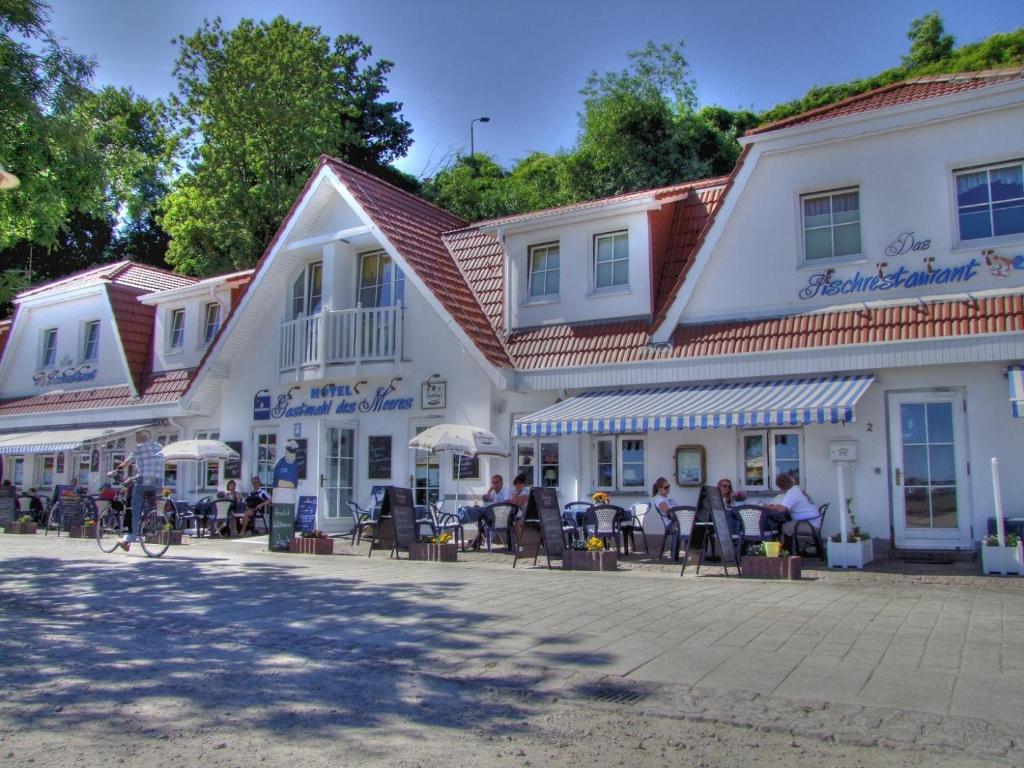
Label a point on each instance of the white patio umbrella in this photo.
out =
(198, 450)
(459, 440)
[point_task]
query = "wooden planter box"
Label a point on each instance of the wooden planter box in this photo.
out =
(438, 553)
(161, 537)
(21, 528)
(759, 567)
(852, 554)
(82, 532)
(311, 546)
(1008, 561)
(605, 560)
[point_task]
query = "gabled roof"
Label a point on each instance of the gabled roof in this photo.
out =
(608, 343)
(161, 388)
(904, 92)
(415, 228)
(127, 273)
(134, 323)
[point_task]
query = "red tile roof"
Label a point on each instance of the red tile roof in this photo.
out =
(127, 273)
(904, 92)
(600, 343)
(157, 388)
(134, 323)
(5, 332)
(415, 227)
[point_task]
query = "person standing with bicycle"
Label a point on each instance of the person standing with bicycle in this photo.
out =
(149, 466)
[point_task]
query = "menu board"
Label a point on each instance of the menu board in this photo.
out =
(379, 460)
(397, 520)
(300, 456)
(544, 505)
(233, 467)
(306, 515)
(282, 526)
(713, 506)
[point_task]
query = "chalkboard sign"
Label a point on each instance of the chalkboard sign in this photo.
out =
(397, 520)
(380, 457)
(306, 515)
(713, 506)
(8, 504)
(233, 467)
(282, 525)
(543, 506)
(300, 456)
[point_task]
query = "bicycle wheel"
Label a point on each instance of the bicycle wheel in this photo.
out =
(153, 535)
(108, 530)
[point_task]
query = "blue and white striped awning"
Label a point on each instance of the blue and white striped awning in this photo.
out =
(54, 440)
(1015, 375)
(710, 406)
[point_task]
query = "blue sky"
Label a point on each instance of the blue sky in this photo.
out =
(522, 63)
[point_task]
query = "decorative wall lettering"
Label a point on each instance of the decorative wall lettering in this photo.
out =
(328, 402)
(893, 279)
(905, 244)
(69, 375)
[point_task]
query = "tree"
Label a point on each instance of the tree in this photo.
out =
(255, 106)
(929, 42)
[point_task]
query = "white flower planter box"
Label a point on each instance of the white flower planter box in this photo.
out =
(855, 554)
(1008, 561)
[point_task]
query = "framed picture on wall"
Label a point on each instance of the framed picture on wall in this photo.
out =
(233, 467)
(691, 465)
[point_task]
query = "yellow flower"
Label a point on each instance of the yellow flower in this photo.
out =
(600, 497)
(595, 544)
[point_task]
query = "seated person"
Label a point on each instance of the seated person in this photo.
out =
(257, 500)
(662, 504)
(497, 492)
(794, 503)
(35, 506)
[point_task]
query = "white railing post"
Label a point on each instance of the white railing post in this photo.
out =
(399, 332)
(358, 351)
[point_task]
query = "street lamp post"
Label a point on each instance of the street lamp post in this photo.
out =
(472, 152)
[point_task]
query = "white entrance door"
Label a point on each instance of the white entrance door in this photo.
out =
(427, 475)
(337, 478)
(929, 470)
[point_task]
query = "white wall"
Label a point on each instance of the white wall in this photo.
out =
(578, 300)
(906, 184)
(194, 304)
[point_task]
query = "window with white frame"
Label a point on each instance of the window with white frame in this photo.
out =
(990, 201)
(48, 353)
(211, 321)
(831, 224)
(170, 467)
(115, 451)
(611, 260)
(266, 456)
(620, 463)
(544, 270)
(308, 291)
(91, 341)
(81, 466)
(765, 454)
(381, 282)
(176, 330)
(46, 471)
(537, 461)
(16, 470)
(208, 472)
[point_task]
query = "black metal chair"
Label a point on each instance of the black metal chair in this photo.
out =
(362, 520)
(497, 519)
(808, 532)
(753, 528)
(446, 522)
(607, 523)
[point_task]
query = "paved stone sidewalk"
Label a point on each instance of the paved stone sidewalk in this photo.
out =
(929, 665)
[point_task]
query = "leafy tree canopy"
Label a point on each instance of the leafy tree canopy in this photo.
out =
(254, 108)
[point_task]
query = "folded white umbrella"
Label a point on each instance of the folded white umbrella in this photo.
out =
(461, 439)
(198, 450)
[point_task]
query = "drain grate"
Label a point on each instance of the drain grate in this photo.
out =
(609, 695)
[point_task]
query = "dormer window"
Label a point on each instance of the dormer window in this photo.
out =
(544, 271)
(611, 260)
(308, 290)
(381, 282)
(48, 356)
(831, 225)
(91, 341)
(211, 322)
(176, 336)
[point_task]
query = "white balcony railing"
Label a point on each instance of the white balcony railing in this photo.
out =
(342, 336)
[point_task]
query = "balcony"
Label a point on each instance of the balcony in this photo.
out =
(342, 337)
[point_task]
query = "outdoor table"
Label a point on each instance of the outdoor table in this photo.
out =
(468, 514)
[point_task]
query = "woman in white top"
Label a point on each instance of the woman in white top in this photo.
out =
(662, 503)
(793, 501)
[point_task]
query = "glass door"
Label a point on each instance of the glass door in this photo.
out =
(338, 479)
(929, 473)
(427, 475)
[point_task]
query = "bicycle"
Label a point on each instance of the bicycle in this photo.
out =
(154, 536)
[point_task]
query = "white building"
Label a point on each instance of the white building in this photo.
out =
(858, 278)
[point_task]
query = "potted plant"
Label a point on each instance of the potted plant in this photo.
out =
(764, 561)
(590, 556)
(23, 525)
(856, 552)
(312, 543)
(600, 497)
(167, 532)
(87, 530)
(1006, 560)
(438, 549)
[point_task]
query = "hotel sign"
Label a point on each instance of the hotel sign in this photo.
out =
(74, 374)
(328, 399)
